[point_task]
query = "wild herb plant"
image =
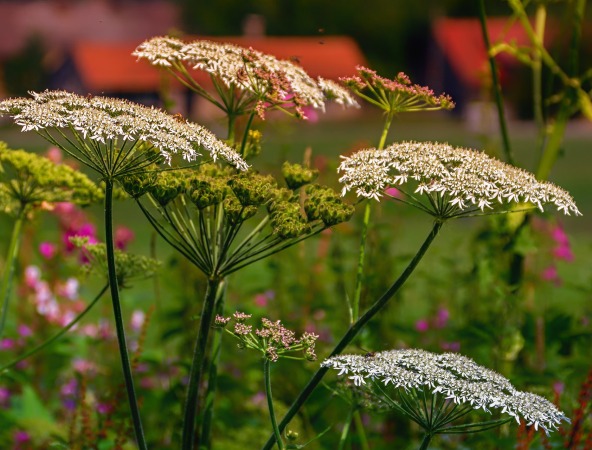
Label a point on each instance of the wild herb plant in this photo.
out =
(223, 215)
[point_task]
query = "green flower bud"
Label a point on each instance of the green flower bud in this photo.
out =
(237, 213)
(325, 204)
(287, 220)
(206, 191)
(167, 186)
(28, 180)
(297, 176)
(252, 189)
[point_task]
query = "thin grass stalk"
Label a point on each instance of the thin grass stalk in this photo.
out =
(496, 86)
(345, 430)
(114, 288)
(360, 430)
(198, 363)
(355, 328)
(13, 249)
(58, 335)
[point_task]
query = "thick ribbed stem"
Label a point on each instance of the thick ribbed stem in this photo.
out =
(267, 377)
(353, 331)
(197, 364)
(125, 361)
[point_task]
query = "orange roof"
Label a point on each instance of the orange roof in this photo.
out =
(110, 67)
(462, 42)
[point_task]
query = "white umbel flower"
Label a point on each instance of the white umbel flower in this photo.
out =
(457, 377)
(103, 119)
(458, 180)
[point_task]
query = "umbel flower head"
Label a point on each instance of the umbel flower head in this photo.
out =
(273, 340)
(270, 82)
(28, 180)
(453, 181)
(396, 95)
(455, 377)
(109, 122)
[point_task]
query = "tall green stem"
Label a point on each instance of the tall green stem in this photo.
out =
(58, 335)
(125, 361)
(365, 227)
(355, 329)
(198, 363)
(206, 426)
(426, 441)
(537, 74)
(497, 90)
(13, 248)
(267, 377)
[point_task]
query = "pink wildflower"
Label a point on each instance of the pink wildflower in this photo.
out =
(551, 274)
(393, 192)
(123, 236)
(442, 317)
(422, 325)
(137, 320)
(47, 250)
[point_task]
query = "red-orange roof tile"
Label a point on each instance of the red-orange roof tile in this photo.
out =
(110, 67)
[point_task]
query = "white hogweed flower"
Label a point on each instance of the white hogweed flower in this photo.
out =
(271, 82)
(104, 119)
(456, 377)
(458, 181)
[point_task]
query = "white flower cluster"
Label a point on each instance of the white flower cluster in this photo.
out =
(456, 377)
(468, 179)
(227, 62)
(102, 119)
(337, 93)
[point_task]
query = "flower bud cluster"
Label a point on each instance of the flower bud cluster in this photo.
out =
(29, 180)
(396, 95)
(241, 196)
(272, 339)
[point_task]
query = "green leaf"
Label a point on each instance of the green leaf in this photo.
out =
(585, 103)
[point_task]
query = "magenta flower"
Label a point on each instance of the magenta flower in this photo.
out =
(422, 325)
(21, 437)
(24, 330)
(442, 317)
(47, 250)
(393, 192)
(7, 344)
(4, 397)
(563, 252)
(123, 236)
(551, 274)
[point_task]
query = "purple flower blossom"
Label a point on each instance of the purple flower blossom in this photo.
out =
(24, 330)
(4, 397)
(7, 344)
(21, 437)
(442, 317)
